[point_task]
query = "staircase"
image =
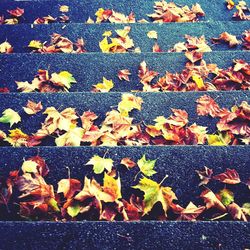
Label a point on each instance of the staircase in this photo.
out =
(179, 162)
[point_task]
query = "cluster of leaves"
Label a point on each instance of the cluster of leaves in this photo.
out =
(50, 19)
(171, 12)
(111, 16)
(119, 44)
(118, 127)
(38, 200)
(14, 18)
(242, 9)
(43, 82)
(197, 76)
(58, 44)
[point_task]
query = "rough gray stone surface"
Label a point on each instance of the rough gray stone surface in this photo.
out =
(90, 68)
(178, 162)
(122, 235)
(19, 36)
(154, 104)
(81, 10)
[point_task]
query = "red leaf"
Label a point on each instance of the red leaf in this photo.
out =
(231, 176)
(207, 106)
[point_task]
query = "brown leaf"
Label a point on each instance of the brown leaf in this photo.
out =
(205, 175)
(231, 176)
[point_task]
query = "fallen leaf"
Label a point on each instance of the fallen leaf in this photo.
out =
(100, 164)
(146, 166)
(230, 176)
(33, 108)
(10, 116)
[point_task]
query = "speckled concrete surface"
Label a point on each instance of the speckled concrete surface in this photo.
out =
(155, 104)
(81, 10)
(168, 34)
(89, 69)
(142, 235)
(178, 162)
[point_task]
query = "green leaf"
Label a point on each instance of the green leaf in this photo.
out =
(10, 116)
(155, 192)
(73, 211)
(100, 164)
(53, 204)
(146, 166)
(227, 196)
(246, 208)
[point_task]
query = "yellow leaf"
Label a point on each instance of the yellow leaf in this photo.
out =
(29, 167)
(17, 138)
(152, 34)
(199, 81)
(35, 44)
(105, 86)
(73, 137)
(112, 186)
(128, 103)
(218, 140)
(107, 33)
(64, 8)
(10, 116)
(63, 79)
(100, 164)
(99, 12)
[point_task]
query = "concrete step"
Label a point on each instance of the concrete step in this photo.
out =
(89, 69)
(19, 36)
(80, 11)
(155, 104)
(178, 162)
(120, 235)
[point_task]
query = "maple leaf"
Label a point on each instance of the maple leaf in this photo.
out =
(124, 74)
(6, 47)
(128, 103)
(226, 196)
(191, 212)
(59, 120)
(100, 164)
(2, 135)
(33, 108)
(237, 212)
(145, 75)
(68, 187)
(29, 167)
(230, 4)
(35, 44)
(17, 138)
(64, 8)
(73, 211)
(211, 200)
(207, 106)
(205, 176)
(230, 176)
(18, 12)
(63, 79)
(153, 193)
(72, 137)
(226, 37)
(128, 163)
(146, 166)
(105, 86)
(134, 208)
(152, 34)
(112, 186)
(10, 116)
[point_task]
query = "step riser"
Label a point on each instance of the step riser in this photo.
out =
(168, 34)
(89, 69)
(143, 235)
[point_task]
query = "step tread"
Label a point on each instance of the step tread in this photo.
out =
(89, 69)
(168, 34)
(176, 162)
(81, 10)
